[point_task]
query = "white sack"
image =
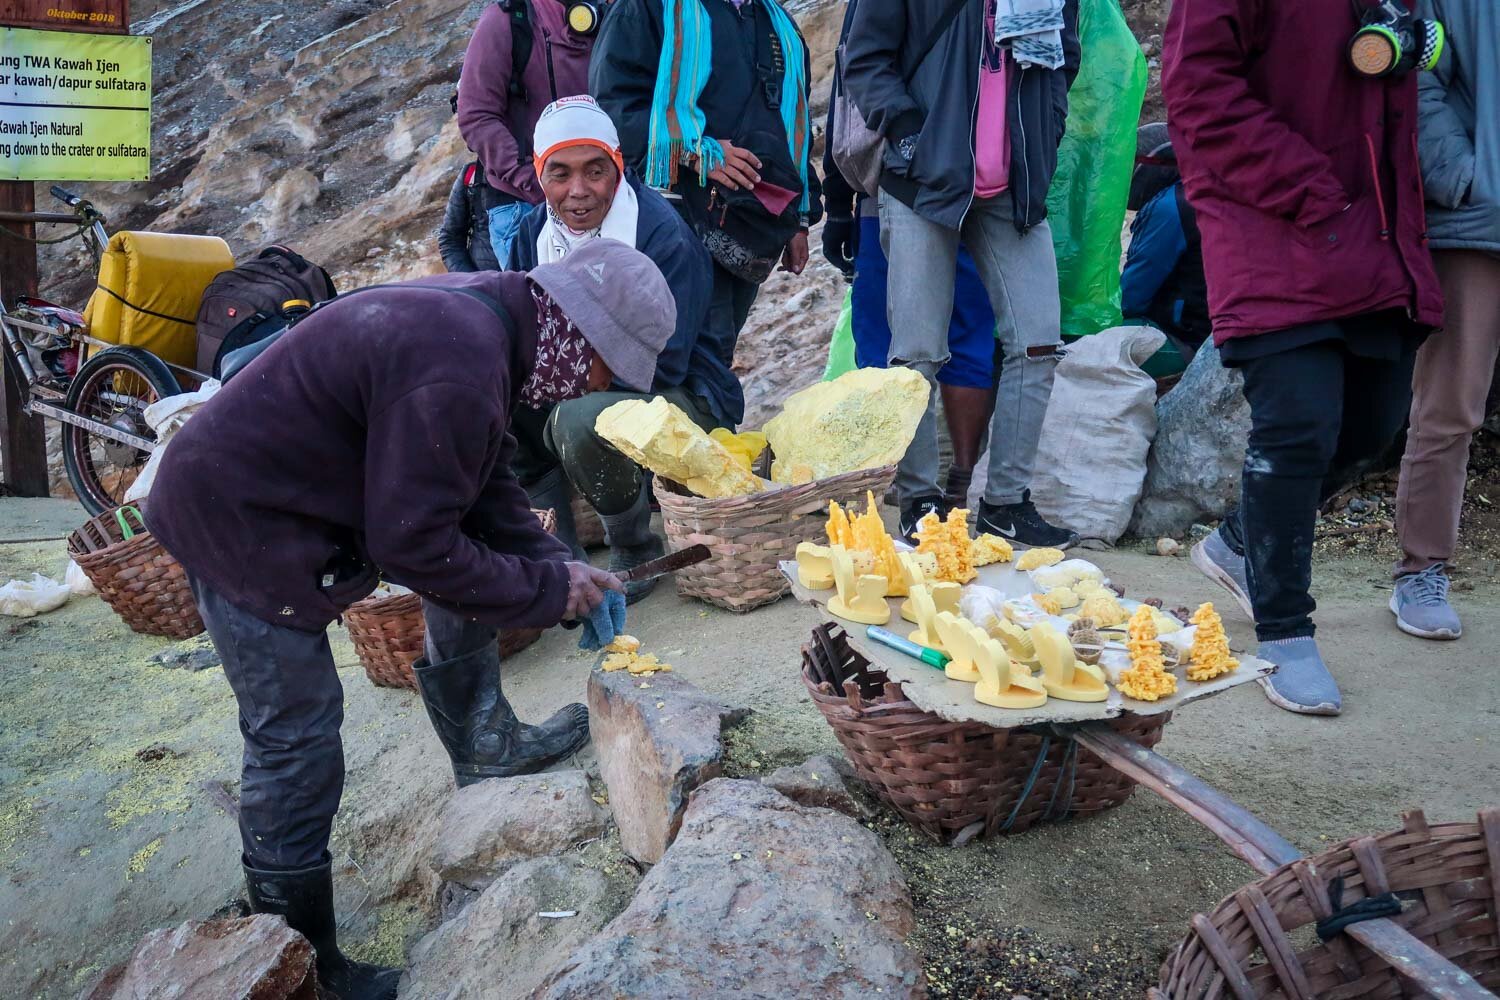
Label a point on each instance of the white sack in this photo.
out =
(27, 598)
(1091, 461)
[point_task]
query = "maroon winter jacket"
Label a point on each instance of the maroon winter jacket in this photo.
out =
(374, 432)
(495, 126)
(1276, 135)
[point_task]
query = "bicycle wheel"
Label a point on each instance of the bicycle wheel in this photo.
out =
(114, 387)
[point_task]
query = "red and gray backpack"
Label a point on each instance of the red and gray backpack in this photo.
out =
(255, 299)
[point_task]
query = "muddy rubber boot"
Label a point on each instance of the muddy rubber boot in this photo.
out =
(305, 898)
(632, 542)
(553, 492)
(478, 728)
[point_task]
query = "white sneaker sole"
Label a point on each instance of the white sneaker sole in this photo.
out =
(1291, 706)
(1441, 634)
(1212, 570)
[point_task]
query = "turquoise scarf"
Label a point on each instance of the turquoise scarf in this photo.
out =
(686, 63)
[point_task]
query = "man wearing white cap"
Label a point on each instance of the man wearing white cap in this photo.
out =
(589, 194)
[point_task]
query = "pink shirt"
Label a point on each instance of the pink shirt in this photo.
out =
(991, 136)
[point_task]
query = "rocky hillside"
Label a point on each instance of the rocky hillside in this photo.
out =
(327, 126)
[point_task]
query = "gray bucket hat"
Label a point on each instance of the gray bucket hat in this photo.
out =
(619, 301)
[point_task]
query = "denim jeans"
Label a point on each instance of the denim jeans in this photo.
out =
(505, 221)
(1019, 271)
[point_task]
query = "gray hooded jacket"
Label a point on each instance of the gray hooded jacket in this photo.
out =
(1459, 125)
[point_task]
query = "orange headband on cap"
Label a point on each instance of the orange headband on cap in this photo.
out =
(540, 159)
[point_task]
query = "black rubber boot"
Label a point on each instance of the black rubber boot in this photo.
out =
(553, 492)
(305, 898)
(478, 728)
(632, 542)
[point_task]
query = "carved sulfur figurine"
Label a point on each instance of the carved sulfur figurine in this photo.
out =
(662, 438)
(1017, 642)
(926, 612)
(1209, 656)
(1146, 679)
(861, 420)
(859, 599)
(1063, 675)
(814, 567)
(1001, 682)
(960, 643)
(949, 541)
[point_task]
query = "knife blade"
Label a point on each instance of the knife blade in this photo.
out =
(690, 556)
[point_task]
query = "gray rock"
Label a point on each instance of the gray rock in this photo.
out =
(501, 947)
(1193, 471)
(757, 897)
(657, 739)
(195, 654)
(490, 826)
(256, 956)
(816, 782)
(1198, 532)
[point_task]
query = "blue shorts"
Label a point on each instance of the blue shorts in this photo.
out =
(971, 330)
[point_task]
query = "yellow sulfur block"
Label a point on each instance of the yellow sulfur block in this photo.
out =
(861, 420)
(745, 446)
(661, 437)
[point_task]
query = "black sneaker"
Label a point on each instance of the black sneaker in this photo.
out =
(913, 512)
(1020, 523)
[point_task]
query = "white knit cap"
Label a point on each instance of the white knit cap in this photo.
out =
(575, 121)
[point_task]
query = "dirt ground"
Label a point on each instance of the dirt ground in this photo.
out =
(116, 775)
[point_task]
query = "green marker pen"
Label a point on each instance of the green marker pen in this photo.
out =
(927, 655)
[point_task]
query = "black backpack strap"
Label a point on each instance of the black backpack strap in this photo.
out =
(521, 40)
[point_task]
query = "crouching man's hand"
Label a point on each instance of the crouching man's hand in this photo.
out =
(586, 587)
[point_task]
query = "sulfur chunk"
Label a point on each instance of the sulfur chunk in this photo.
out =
(1064, 597)
(745, 446)
(1146, 679)
(661, 437)
(636, 663)
(623, 644)
(989, 549)
(861, 420)
(1209, 656)
(1103, 609)
(949, 542)
(1037, 558)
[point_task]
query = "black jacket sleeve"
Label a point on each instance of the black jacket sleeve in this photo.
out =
(1072, 52)
(872, 71)
(453, 234)
(622, 72)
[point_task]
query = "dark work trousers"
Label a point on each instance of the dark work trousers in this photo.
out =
(728, 309)
(1319, 415)
(291, 706)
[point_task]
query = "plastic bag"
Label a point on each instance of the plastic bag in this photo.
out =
(77, 581)
(166, 417)
(28, 598)
(1091, 459)
(841, 347)
(1086, 203)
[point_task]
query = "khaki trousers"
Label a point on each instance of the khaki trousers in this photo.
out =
(1449, 388)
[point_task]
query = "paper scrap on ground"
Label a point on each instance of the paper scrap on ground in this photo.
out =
(861, 420)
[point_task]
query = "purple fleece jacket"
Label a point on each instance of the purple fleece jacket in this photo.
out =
(377, 428)
(494, 125)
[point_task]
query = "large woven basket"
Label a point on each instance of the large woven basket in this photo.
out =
(949, 777)
(750, 535)
(134, 575)
(1447, 876)
(388, 632)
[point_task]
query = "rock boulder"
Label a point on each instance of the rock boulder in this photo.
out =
(256, 956)
(758, 896)
(818, 781)
(502, 945)
(1193, 472)
(487, 827)
(657, 740)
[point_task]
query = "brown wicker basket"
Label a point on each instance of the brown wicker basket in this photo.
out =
(1447, 876)
(134, 575)
(944, 777)
(388, 632)
(751, 535)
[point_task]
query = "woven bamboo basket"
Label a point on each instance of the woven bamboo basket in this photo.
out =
(751, 535)
(947, 777)
(134, 575)
(388, 632)
(1447, 876)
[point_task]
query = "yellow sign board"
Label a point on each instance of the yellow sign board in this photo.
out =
(74, 107)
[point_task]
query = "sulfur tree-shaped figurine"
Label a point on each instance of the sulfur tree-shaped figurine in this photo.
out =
(839, 530)
(949, 541)
(1146, 679)
(1209, 656)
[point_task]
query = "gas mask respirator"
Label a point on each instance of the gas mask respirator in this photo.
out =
(1392, 41)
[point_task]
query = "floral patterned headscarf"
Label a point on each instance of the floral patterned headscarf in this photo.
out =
(563, 357)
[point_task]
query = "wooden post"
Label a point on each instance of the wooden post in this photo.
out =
(23, 443)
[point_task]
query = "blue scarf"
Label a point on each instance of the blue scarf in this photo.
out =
(686, 64)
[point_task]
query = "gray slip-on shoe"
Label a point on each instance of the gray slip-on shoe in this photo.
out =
(1301, 682)
(1217, 561)
(1420, 604)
